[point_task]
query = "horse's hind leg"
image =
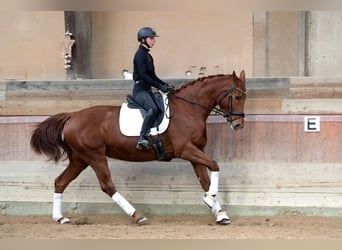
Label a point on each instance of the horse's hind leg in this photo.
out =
(75, 167)
(102, 171)
(210, 193)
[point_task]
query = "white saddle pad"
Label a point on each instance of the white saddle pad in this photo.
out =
(131, 120)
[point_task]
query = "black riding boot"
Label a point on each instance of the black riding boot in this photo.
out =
(143, 142)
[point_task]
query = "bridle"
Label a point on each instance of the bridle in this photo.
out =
(229, 110)
(228, 113)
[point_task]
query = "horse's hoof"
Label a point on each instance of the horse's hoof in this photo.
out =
(64, 220)
(223, 222)
(222, 218)
(142, 220)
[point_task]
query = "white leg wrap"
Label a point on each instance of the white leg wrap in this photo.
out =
(216, 208)
(211, 202)
(214, 183)
(123, 203)
(57, 206)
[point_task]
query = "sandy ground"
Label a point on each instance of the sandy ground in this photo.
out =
(171, 227)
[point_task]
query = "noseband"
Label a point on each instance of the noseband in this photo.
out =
(229, 110)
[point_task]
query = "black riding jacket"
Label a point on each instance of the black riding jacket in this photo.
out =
(144, 75)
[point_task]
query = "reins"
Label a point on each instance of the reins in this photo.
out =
(229, 112)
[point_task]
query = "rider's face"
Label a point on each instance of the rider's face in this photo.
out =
(150, 41)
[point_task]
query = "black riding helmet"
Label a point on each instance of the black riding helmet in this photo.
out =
(146, 32)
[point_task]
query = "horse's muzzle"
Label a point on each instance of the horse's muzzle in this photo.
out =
(237, 124)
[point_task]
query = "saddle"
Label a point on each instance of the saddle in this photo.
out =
(158, 99)
(132, 116)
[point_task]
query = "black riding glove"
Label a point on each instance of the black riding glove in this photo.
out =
(164, 88)
(171, 88)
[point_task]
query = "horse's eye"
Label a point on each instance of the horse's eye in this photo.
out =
(237, 97)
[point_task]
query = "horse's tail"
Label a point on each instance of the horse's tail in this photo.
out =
(47, 138)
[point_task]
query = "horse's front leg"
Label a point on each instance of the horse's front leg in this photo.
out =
(210, 186)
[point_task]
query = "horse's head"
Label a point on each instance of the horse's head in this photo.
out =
(233, 101)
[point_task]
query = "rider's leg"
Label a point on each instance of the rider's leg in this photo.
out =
(147, 102)
(145, 129)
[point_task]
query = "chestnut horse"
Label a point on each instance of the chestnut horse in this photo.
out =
(88, 136)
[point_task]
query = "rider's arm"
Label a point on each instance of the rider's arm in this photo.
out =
(145, 69)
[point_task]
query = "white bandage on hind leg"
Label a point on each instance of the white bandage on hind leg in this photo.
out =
(216, 208)
(57, 206)
(214, 183)
(123, 203)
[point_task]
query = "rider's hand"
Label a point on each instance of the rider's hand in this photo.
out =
(164, 88)
(171, 88)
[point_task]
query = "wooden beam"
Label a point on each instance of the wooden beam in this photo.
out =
(79, 23)
(312, 106)
(49, 107)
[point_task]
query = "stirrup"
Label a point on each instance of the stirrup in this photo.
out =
(142, 144)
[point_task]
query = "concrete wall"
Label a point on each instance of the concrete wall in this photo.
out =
(31, 45)
(276, 41)
(324, 43)
(263, 43)
(218, 41)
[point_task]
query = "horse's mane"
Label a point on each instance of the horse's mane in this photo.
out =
(200, 79)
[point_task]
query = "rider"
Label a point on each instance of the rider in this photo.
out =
(145, 77)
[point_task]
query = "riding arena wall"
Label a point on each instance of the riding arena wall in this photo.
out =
(272, 166)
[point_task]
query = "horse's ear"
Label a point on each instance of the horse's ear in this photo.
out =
(234, 75)
(243, 75)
